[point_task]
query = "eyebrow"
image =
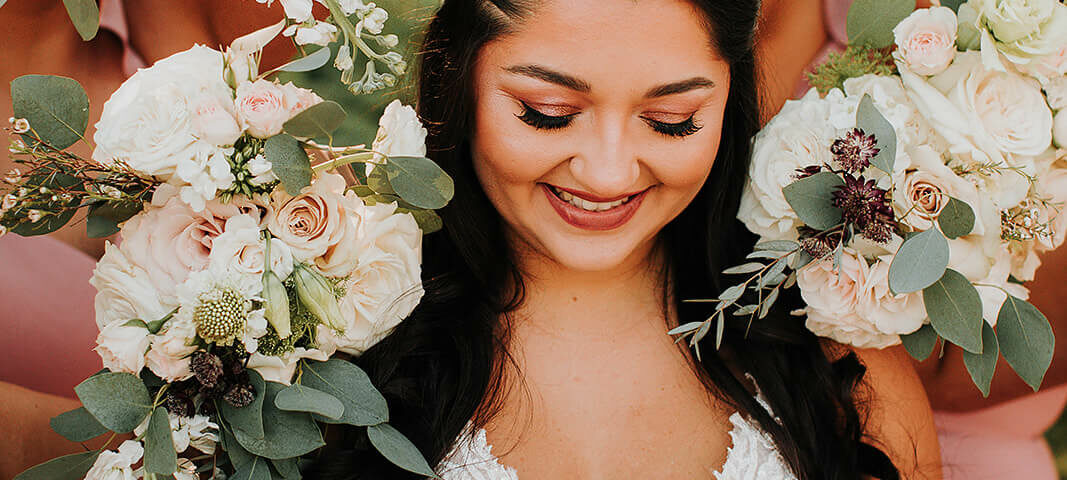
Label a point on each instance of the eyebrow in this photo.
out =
(551, 76)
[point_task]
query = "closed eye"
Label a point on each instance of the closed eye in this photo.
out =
(536, 119)
(680, 129)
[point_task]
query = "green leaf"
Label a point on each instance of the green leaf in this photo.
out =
(871, 22)
(289, 162)
(299, 398)
(733, 293)
(287, 468)
(56, 107)
(419, 181)
(953, 4)
(104, 218)
(919, 262)
(768, 303)
(159, 454)
(428, 220)
(688, 327)
(956, 218)
(307, 63)
(778, 245)
(257, 468)
(871, 121)
(378, 180)
(85, 15)
(955, 310)
(920, 343)
(67, 467)
(982, 365)
(745, 268)
(118, 400)
(50, 223)
(398, 449)
(285, 434)
(319, 120)
(1026, 340)
(248, 420)
(234, 451)
(812, 199)
(77, 425)
(364, 404)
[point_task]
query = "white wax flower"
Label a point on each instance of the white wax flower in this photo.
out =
(927, 39)
(117, 465)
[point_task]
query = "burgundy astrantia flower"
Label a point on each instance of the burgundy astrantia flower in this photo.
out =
(818, 244)
(854, 151)
(808, 171)
(865, 206)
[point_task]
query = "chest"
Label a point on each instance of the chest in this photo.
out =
(628, 407)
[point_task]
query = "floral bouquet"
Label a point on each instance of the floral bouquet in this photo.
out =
(909, 202)
(245, 268)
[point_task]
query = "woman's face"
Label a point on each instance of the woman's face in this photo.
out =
(597, 122)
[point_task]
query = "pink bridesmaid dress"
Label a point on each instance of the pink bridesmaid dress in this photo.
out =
(1004, 441)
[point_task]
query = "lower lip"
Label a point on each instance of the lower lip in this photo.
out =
(586, 220)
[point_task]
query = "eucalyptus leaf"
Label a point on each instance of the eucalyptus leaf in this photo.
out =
(982, 365)
(319, 120)
(104, 218)
(746, 268)
(427, 220)
(419, 181)
(771, 277)
(733, 293)
(364, 404)
(289, 162)
(920, 261)
(956, 218)
(257, 468)
(702, 332)
(287, 468)
(768, 303)
(118, 400)
(720, 326)
(955, 310)
(688, 327)
(285, 434)
(307, 63)
(398, 449)
(872, 122)
(1026, 340)
(746, 310)
(234, 451)
(248, 420)
(300, 398)
(870, 22)
(800, 260)
(50, 223)
(67, 467)
(778, 245)
(77, 425)
(768, 254)
(953, 4)
(56, 107)
(378, 180)
(85, 15)
(920, 343)
(159, 454)
(812, 200)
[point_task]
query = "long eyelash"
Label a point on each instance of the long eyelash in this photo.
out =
(536, 119)
(680, 129)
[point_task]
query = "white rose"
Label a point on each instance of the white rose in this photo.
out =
(112, 465)
(122, 347)
(795, 138)
(280, 368)
(240, 248)
(926, 189)
(892, 101)
(124, 291)
(927, 39)
(1024, 30)
(169, 356)
(400, 133)
(261, 108)
(321, 33)
(1059, 129)
(1048, 68)
(1056, 92)
(890, 313)
(386, 286)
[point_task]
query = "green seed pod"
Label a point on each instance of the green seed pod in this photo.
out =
(317, 296)
(277, 304)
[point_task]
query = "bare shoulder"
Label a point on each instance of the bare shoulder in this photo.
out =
(899, 418)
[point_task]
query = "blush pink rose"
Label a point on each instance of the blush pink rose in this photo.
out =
(316, 220)
(214, 121)
(299, 99)
(262, 108)
(169, 355)
(927, 40)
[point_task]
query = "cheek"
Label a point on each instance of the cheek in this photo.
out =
(685, 165)
(505, 152)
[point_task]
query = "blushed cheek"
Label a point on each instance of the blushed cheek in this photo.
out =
(506, 152)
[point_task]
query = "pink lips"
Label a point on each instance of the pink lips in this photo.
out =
(586, 220)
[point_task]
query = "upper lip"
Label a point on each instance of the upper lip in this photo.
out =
(594, 198)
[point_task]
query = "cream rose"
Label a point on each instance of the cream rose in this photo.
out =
(216, 121)
(1059, 129)
(1024, 30)
(262, 108)
(890, 313)
(122, 347)
(240, 248)
(927, 39)
(927, 188)
(124, 291)
(169, 355)
(314, 221)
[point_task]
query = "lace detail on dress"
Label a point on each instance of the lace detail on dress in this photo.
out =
(471, 458)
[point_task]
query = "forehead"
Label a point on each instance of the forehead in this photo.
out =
(611, 44)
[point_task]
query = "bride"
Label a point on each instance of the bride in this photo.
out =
(599, 150)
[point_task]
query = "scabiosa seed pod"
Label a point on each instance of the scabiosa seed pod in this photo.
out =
(179, 404)
(207, 367)
(240, 395)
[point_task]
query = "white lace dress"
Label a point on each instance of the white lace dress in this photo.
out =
(752, 456)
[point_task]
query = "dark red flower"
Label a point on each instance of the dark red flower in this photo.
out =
(808, 171)
(865, 206)
(854, 151)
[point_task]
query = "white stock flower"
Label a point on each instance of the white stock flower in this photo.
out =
(298, 10)
(117, 465)
(400, 133)
(262, 170)
(169, 355)
(197, 431)
(343, 61)
(927, 39)
(124, 290)
(241, 54)
(240, 249)
(351, 6)
(280, 368)
(374, 22)
(122, 347)
(321, 33)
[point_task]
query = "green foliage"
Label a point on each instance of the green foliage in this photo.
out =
(299, 398)
(247, 421)
(1026, 340)
(428, 220)
(870, 22)
(812, 200)
(853, 62)
(289, 162)
(118, 400)
(919, 262)
(318, 121)
(77, 425)
(285, 434)
(257, 468)
(398, 449)
(311, 61)
(56, 107)
(419, 181)
(50, 223)
(363, 404)
(104, 217)
(955, 310)
(871, 121)
(956, 218)
(953, 4)
(982, 365)
(159, 454)
(67, 467)
(287, 468)
(920, 343)
(85, 15)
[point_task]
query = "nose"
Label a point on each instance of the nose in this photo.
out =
(606, 163)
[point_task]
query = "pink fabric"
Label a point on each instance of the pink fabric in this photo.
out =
(113, 17)
(47, 315)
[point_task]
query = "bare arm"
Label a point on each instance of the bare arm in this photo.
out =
(790, 35)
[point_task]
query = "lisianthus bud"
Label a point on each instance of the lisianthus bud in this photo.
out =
(277, 304)
(318, 296)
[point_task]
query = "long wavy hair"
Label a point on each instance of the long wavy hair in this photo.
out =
(443, 365)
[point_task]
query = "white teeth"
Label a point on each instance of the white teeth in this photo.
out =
(586, 204)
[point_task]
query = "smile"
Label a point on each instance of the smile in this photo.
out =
(588, 212)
